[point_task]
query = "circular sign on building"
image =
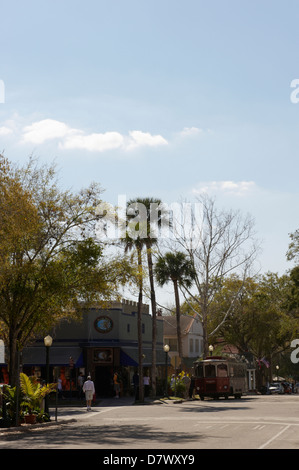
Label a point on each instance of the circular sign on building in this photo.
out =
(103, 324)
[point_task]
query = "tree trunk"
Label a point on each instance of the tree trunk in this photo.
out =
(205, 337)
(139, 329)
(154, 317)
(13, 359)
(178, 317)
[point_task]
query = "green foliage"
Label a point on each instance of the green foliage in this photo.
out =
(10, 398)
(178, 386)
(33, 393)
(294, 297)
(50, 258)
(174, 267)
(293, 250)
(259, 321)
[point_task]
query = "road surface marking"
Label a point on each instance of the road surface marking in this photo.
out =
(274, 437)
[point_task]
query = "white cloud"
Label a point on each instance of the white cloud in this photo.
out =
(191, 131)
(69, 138)
(141, 139)
(93, 142)
(239, 188)
(5, 131)
(47, 129)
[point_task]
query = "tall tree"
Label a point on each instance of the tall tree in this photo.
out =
(137, 244)
(260, 323)
(148, 219)
(50, 261)
(293, 255)
(175, 267)
(218, 243)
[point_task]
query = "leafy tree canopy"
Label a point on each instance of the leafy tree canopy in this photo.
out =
(50, 259)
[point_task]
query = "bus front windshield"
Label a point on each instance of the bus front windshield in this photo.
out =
(210, 370)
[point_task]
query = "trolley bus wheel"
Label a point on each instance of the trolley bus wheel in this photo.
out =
(237, 396)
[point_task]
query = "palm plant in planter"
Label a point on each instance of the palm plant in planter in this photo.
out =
(33, 394)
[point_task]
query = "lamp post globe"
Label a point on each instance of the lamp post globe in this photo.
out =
(166, 350)
(48, 340)
(48, 343)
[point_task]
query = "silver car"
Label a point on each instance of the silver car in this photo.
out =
(276, 387)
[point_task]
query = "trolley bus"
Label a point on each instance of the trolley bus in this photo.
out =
(219, 376)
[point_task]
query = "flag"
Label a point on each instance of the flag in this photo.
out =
(264, 361)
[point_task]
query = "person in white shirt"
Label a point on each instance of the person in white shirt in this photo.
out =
(146, 383)
(80, 385)
(89, 390)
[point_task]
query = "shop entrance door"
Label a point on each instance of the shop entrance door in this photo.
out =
(103, 381)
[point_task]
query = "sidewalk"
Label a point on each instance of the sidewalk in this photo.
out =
(71, 411)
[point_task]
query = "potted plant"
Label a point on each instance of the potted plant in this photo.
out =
(33, 394)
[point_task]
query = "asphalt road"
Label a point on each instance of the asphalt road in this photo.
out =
(253, 422)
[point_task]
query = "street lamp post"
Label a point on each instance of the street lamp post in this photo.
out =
(277, 369)
(211, 349)
(48, 343)
(166, 350)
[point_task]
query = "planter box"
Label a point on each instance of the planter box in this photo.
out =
(30, 419)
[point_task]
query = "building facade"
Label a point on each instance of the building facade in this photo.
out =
(192, 339)
(102, 342)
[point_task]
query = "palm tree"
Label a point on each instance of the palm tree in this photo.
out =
(175, 267)
(138, 245)
(150, 217)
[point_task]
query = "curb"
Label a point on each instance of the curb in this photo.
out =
(31, 427)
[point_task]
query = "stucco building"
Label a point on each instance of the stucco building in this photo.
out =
(192, 338)
(103, 341)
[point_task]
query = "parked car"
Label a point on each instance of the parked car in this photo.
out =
(287, 387)
(276, 387)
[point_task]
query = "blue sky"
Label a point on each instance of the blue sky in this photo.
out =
(160, 98)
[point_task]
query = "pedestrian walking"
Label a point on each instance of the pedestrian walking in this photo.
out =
(80, 385)
(146, 383)
(191, 388)
(89, 390)
(136, 385)
(59, 387)
(116, 382)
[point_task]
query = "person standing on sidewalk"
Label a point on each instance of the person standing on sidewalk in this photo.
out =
(89, 390)
(116, 382)
(80, 385)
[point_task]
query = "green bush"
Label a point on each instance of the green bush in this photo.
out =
(31, 395)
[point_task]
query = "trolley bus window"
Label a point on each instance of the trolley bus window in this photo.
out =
(199, 370)
(222, 370)
(210, 370)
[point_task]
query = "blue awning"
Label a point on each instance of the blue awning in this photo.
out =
(79, 362)
(126, 360)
